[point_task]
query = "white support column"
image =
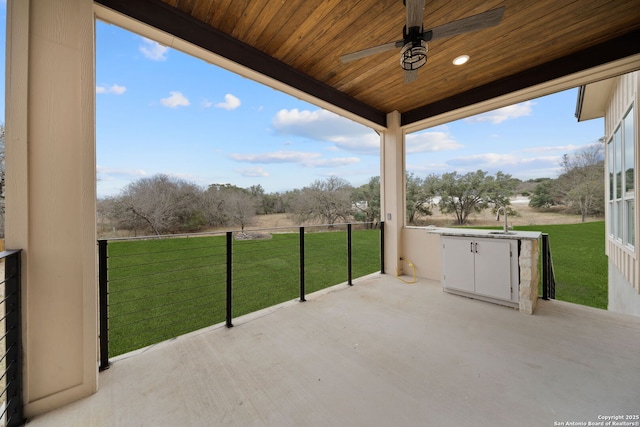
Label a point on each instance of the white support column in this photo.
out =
(51, 193)
(392, 191)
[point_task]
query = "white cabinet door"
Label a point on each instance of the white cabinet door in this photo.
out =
(493, 268)
(458, 264)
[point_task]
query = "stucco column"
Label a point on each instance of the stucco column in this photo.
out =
(392, 191)
(50, 195)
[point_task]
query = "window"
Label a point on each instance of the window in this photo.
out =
(621, 185)
(629, 172)
(612, 182)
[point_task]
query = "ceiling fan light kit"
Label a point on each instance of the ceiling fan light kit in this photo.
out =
(413, 53)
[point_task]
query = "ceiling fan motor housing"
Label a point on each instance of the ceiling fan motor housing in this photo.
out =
(414, 52)
(413, 55)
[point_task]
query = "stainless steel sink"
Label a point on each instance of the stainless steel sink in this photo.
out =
(502, 232)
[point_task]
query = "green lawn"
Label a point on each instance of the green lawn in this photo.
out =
(162, 288)
(579, 261)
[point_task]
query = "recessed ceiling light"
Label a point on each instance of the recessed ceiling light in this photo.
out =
(461, 60)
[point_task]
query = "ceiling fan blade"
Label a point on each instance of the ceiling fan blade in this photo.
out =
(487, 19)
(410, 75)
(415, 13)
(370, 51)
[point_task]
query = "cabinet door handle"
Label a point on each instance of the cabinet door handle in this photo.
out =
(471, 246)
(476, 247)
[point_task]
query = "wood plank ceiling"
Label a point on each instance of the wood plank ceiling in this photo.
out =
(300, 43)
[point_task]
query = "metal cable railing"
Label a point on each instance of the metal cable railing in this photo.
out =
(548, 276)
(10, 342)
(153, 289)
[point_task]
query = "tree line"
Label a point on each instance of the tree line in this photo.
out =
(580, 186)
(167, 205)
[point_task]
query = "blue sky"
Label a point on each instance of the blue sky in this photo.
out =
(161, 111)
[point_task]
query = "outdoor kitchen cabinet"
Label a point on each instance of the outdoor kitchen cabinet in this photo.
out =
(484, 268)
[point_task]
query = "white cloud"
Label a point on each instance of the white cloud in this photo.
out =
(431, 141)
(366, 144)
(175, 99)
(276, 157)
(562, 148)
(504, 113)
(331, 163)
(153, 50)
(306, 159)
(325, 126)
(255, 172)
(230, 102)
(108, 174)
(206, 103)
(113, 89)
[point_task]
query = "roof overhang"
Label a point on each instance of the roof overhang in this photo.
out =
(593, 99)
(552, 50)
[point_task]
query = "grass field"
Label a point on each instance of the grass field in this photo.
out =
(162, 288)
(579, 261)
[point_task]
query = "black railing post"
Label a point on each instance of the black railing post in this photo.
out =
(349, 263)
(229, 278)
(13, 362)
(551, 274)
(302, 291)
(381, 247)
(545, 266)
(103, 291)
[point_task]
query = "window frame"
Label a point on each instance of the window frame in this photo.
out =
(621, 221)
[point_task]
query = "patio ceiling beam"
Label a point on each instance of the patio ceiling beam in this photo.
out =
(618, 48)
(183, 26)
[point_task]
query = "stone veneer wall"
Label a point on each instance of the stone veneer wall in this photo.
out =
(529, 275)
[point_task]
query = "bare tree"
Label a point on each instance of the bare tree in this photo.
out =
(260, 199)
(328, 200)
(240, 207)
(227, 204)
(213, 206)
(582, 181)
(161, 204)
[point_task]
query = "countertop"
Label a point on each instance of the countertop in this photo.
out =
(474, 232)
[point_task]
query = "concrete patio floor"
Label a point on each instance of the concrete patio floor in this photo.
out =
(380, 353)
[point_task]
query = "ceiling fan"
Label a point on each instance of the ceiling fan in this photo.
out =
(413, 54)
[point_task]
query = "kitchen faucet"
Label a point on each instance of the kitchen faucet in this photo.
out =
(504, 211)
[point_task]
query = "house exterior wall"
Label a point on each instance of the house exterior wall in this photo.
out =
(51, 195)
(423, 250)
(624, 285)
(623, 298)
